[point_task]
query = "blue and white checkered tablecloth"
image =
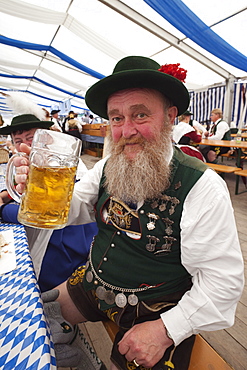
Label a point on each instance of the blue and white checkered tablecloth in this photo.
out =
(25, 339)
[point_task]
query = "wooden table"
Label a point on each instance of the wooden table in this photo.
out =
(243, 135)
(231, 144)
(94, 134)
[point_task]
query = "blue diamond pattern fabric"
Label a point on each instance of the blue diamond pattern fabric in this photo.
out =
(25, 337)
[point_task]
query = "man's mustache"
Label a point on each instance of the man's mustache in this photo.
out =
(120, 145)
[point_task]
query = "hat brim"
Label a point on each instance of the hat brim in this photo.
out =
(97, 95)
(7, 130)
(187, 113)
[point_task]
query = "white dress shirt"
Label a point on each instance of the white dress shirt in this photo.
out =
(210, 252)
(221, 129)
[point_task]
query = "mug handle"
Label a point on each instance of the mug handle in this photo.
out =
(10, 177)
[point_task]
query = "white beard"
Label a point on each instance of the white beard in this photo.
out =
(142, 178)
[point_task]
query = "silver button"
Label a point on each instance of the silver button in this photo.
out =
(112, 245)
(105, 259)
(142, 211)
(118, 232)
(100, 271)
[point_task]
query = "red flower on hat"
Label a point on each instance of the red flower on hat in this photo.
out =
(174, 70)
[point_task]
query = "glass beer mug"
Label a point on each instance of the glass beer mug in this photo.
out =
(53, 163)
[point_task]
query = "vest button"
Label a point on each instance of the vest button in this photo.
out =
(105, 259)
(100, 271)
(112, 245)
(118, 233)
(142, 211)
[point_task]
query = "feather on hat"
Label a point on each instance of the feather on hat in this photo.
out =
(30, 115)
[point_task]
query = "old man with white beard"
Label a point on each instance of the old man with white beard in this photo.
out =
(166, 263)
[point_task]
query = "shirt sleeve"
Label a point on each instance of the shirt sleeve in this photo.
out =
(210, 252)
(9, 212)
(66, 127)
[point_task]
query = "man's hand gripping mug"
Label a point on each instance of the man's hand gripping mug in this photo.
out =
(53, 162)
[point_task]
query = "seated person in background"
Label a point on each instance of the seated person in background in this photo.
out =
(197, 126)
(183, 132)
(72, 126)
(67, 118)
(184, 135)
(220, 130)
(69, 246)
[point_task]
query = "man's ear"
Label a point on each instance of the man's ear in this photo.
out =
(172, 114)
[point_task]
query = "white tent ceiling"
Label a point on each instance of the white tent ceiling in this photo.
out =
(96, 34)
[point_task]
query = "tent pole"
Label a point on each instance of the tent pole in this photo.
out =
(228, 106)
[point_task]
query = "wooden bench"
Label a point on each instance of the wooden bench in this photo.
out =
(239, 172)
(221, 168)
(203, 356)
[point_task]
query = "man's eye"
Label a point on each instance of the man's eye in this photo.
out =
(141, 115)
(115, 119)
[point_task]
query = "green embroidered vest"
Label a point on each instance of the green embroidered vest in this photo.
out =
(153, 259)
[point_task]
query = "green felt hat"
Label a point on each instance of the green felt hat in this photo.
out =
(24, 122)
(136, 72)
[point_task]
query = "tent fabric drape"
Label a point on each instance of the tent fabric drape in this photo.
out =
(51, 49)
(35, 13)
(202, 102)
(43, 82)
(175, 10)
(239, 113)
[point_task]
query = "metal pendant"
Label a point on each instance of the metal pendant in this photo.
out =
(132, 299)
(152, 219)
(177, 185)
(109, 297)
(89, 276)
(121, 300)
(168, 224)
(154, 204)
(162, 207)
(100, 292)
(174, 203)
(152, 241)
(150, 247)
(150, 225)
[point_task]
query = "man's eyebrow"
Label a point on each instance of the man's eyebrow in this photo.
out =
(113, 111)
(132, 107)
(140, 106)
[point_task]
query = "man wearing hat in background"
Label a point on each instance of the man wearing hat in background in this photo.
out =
(197, 126)
(44, 249)
(71, 244)
(57, 123)
(166, 262)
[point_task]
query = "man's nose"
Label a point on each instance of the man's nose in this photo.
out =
(28, 142)
(128, 128)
